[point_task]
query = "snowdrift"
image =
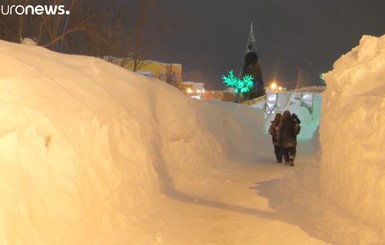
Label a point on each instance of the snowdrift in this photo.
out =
(87, 147)
(352, 132)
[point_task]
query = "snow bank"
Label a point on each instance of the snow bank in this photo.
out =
(352, 132)
(87, 147)
(74, 162)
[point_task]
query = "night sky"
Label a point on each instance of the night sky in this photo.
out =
(296, 40)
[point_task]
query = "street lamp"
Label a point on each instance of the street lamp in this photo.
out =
(273, 86)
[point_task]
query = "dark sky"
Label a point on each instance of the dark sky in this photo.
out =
(296, 39)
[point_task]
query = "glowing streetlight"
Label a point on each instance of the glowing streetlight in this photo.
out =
(189, 90)
(273, 86)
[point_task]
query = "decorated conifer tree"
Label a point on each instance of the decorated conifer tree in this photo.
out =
(251, 67)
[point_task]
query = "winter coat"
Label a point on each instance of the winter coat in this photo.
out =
(288, 130)
(274, 127)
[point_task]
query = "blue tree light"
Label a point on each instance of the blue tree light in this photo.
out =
(240, 86)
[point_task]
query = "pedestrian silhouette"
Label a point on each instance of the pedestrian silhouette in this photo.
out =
(273, 131)
(288, 129)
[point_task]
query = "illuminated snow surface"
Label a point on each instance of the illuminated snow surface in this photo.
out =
(94, 154)
(353, 132)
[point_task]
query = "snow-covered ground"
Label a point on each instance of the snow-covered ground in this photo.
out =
(94, 154)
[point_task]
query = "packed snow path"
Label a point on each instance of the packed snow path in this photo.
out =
(254, 203)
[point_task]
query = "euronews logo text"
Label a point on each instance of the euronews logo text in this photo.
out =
(33, 10)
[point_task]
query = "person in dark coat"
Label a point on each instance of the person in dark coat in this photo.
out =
(273, 131)
(287, 132)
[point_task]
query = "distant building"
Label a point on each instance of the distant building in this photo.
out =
(197, 91)
(189, 87)
(193, 89)
(169, 72)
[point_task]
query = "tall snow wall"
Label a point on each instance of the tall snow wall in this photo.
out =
(352, 132)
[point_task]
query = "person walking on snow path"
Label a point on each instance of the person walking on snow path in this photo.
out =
(273, 131)
(288, 129)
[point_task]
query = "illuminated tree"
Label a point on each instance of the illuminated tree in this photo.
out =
(251, 67)
(240, 86)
